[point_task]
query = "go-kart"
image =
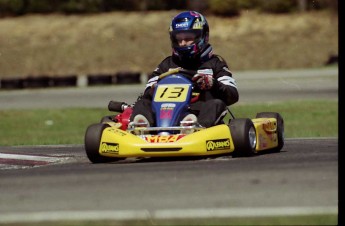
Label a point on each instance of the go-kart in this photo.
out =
(116, 138)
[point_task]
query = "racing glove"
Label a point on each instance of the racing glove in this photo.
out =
(152, 82)
(150, 85)
(204, 79)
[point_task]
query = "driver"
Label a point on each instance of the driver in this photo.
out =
(189, 35)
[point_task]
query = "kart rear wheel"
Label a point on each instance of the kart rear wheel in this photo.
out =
(243, 134)
(280, 127)
(92, 140)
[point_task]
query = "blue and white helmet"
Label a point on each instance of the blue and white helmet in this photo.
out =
(190, 22)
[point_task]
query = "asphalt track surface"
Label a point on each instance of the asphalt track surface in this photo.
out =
(58, 182)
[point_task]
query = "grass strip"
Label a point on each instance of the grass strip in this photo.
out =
(68, 126)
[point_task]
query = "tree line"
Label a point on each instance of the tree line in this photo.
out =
(219, 7)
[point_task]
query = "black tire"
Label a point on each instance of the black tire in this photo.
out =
(243, 134)
(280, 127)
(92, 140)
(108, 118)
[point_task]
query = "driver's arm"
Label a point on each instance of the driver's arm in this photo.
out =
(163, 67)
(225, 85)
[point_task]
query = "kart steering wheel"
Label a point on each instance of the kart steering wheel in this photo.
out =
(189, 73)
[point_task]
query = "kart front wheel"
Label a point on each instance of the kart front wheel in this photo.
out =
(92, 141)
(243, 134)
(108, 118)
(280, 127)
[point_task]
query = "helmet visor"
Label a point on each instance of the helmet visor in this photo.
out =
(190, 36)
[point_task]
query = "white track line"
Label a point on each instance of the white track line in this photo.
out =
(243, 212)
(22, 161)
(28, 157)
(122, 215)
(9, 166)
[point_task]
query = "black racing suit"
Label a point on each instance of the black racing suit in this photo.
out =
(211, 105)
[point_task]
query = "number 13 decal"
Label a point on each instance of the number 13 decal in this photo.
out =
(175, 93)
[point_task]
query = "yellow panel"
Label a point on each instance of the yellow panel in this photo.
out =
(266, 133)
(171, 93)
(211, 141)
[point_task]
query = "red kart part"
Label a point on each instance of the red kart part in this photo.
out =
(124, 117)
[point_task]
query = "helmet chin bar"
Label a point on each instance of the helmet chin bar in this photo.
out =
(187, 52)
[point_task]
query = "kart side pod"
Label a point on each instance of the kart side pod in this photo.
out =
(270, 131)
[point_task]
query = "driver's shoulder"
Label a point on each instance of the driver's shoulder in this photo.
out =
(214, 61)
(217, 58)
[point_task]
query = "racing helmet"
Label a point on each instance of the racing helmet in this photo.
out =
(193, 24)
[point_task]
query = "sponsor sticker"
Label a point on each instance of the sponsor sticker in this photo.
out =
(166, 106)
(163, 139)
(269, 126)
(109, 148)
(167, 110)
(181, 25)
(166, 114)
(214, 145)
(198, 25)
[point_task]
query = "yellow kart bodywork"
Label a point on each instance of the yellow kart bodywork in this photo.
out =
(266, 133)
(212, 141)
(215, 140)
